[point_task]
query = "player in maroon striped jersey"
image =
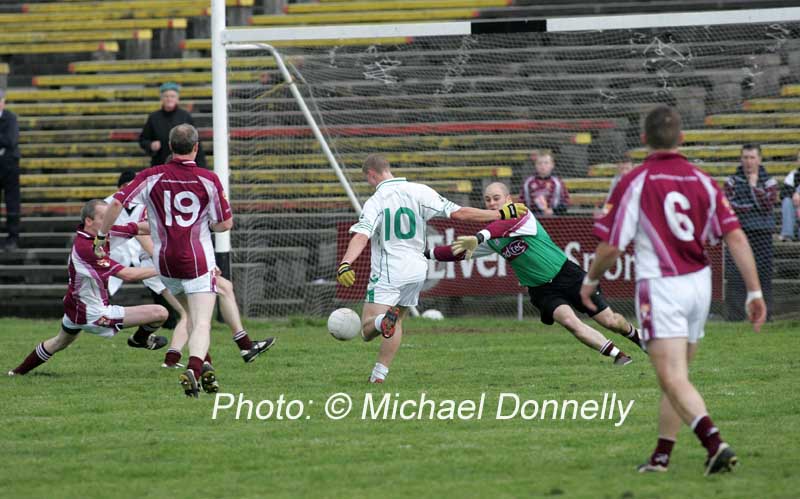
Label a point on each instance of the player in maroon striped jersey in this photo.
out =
(86, 306)
(185, 203)
(671, 208)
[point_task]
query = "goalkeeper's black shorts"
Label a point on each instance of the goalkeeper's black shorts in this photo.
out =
(564, 289)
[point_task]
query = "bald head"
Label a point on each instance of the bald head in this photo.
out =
(496, 195)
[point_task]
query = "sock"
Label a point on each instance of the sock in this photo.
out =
(633, 335)
(707, 433)
(378, 321)
(379, 372)
(242, 340)
(34, 359)
(609, 350)
(662, 452)
(207, 357)
(172, 357)
(144, 331)
(196, 365)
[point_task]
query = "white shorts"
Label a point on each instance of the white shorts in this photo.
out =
(674, 307)
(206, 283)
(405, 295)
(105, 321)
(152, 283)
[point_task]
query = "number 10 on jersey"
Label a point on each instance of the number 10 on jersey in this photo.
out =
(398, 224)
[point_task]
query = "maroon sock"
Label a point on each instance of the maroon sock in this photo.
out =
(663, 450)
(607, 348)
(207, 358)
(172, 357)
(196, 365)
(708, 434)
(634, 336)
(242, 340)
(34, 359)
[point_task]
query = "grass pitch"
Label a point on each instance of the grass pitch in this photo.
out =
(103, 420)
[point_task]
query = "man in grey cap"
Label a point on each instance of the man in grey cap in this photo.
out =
(9, 171)
(154, 138)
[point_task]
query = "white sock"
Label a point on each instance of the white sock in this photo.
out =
(613, 353)
(378, 321)
(379, 372)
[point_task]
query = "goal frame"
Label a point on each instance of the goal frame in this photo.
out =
(224, 39)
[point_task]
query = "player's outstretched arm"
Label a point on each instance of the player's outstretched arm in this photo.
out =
(344, 273)
(604, 257)
(133, 274)
(742, 255)
(510, 210)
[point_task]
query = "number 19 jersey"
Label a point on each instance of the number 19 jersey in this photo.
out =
(395, 220)
(182, 200)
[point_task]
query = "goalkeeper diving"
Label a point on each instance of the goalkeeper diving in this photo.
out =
(553, 281)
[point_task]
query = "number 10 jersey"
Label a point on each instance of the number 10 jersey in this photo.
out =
(182, 199)
(395, 220)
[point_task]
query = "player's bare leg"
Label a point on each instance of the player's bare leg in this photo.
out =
(620, 325)
(372, 316)
(564, 315)
(200, 307)
(670, 357)
(149, 318)
(248, 349)
(44, 351)
(371, 311)
(180, 335)
(669, 424)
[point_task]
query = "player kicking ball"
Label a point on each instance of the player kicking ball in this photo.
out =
(553, 281)
(671, 209)
(393, 219)
(86, 306)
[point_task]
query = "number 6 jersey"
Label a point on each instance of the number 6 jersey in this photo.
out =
(670, 209)
(395, 219)
(182, 200)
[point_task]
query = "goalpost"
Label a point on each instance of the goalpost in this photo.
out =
(458, 105)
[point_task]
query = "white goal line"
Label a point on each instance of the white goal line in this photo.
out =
(233, 38)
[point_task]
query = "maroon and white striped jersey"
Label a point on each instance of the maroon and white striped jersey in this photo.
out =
(88, 279)
(182, 199)
(670, 209)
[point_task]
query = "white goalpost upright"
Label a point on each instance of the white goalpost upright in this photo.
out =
(459, 104)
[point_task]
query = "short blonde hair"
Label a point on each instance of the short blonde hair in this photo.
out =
(376, 163)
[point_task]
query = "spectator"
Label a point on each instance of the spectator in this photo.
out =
(752, 194)
(9, 171)
(790, 204)
(154, 138)
(624, 165)
(544, 193)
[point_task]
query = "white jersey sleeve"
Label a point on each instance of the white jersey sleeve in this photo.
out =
(370, 219)
(432, 204)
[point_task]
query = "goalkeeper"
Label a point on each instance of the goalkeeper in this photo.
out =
(553, 281)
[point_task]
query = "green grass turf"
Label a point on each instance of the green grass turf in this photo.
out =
(103, 420)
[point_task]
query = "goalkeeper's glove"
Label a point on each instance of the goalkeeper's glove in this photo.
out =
(99, 245)
(346, 275)
(513, 210)
(467, 245)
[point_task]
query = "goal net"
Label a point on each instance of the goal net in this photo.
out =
(458, 106)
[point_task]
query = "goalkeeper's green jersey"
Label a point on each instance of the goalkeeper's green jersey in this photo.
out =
(535, 258)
